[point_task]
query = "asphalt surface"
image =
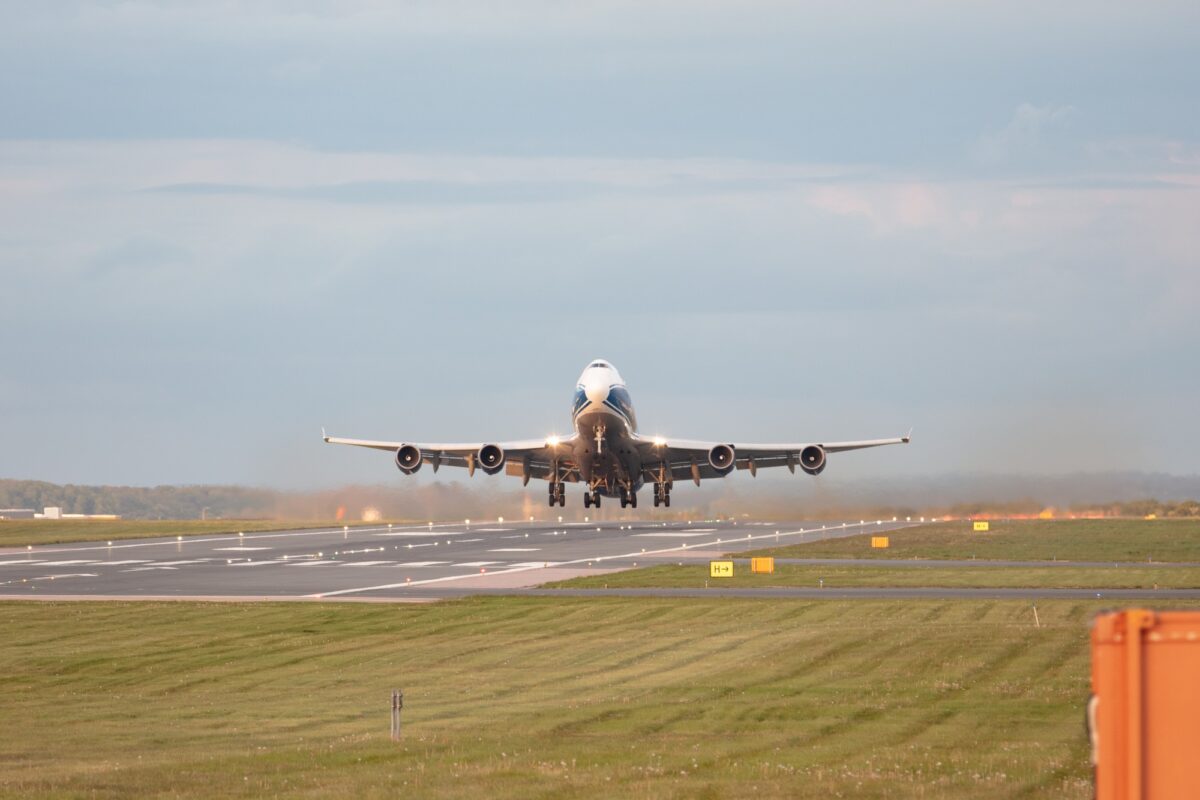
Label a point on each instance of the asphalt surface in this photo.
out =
(427, 562)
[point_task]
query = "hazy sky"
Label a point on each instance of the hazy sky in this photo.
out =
(223, 226)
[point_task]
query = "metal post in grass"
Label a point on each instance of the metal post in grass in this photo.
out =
(397, 704)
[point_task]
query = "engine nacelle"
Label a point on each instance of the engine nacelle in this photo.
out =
(408, 458)
(812, 459)
(490, 458)
(721, 458)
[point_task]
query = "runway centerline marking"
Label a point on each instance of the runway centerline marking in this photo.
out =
(670, 535)
(515, 550)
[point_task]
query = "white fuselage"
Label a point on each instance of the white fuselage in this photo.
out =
(604, 418)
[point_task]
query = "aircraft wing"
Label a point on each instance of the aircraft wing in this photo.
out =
(670, 459)
(529, 458)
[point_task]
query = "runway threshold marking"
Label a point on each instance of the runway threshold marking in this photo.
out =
(727, 540)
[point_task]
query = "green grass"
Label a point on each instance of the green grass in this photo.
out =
(697, 575)
(17, 532)
(1026, 540)
(540, 698)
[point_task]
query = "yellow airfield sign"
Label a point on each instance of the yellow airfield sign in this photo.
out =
(720, 569)
(981, 526)
(880, 542)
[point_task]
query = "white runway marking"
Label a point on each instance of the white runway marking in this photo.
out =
(515, 550)
(492, 530)
(423, 563)
(239, 549)
(122, 563)
(312, 563)
(670, 535)
(425, 533)
(188, 540)
(258, 563)
(32, 561)
(65, 563)
(177, 563)
(477, 564)
(535, 564)
(144, 569)
(367, 563)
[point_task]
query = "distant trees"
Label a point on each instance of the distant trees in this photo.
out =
(1144, 508)
(139, 502)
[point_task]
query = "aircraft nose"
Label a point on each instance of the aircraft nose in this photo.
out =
(596, 390)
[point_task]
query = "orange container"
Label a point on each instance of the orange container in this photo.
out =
(1144, 715)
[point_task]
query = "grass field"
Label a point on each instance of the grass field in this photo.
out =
(17, 532)
(697, 575)
(536, 697)
(1025, 540)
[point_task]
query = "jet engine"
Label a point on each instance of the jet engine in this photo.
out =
(812, 459)
(491, 458)
(408, 458)
(721, 458)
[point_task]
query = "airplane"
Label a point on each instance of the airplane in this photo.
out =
(607, 454)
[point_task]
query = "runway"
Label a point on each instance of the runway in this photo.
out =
(436, 561)
(401, 562)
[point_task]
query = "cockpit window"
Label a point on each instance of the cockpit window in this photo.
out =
(597, 364)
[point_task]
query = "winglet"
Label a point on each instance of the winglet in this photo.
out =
(324, 438)
(907, 437)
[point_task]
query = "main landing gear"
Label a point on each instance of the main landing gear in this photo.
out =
(558, 494)
(591, 498)
(628, 498)
(662, 495)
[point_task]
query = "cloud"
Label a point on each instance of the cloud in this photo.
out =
(1029, 134)
(193, 282)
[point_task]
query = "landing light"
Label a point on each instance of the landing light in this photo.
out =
(659, 441)
(552, 441)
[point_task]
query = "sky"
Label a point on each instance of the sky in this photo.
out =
(224, 226)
